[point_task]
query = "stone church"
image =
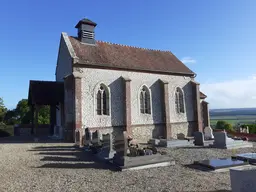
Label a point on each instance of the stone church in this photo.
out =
(111, 88)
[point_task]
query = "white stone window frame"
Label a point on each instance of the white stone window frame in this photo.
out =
(150, 101)
(183, 98)
(95, 92)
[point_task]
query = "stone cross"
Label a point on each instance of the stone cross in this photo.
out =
(199, 138)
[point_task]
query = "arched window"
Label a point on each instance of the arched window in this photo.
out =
(179, 101)
(102, 101)
(145, 100)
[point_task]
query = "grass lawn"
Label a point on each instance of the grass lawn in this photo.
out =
(233, 120)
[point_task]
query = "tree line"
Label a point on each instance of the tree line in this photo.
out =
(22, 114)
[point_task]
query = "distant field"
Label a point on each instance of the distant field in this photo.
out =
(233, 119)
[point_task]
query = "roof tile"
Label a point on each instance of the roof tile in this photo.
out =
(112, 55)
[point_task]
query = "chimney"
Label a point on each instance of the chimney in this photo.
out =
(85, 31)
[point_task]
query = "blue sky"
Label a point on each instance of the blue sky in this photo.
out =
(216, 39)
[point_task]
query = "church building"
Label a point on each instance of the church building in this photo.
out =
(112, 88)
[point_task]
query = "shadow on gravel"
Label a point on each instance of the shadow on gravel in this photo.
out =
(69, 157)
(224, 190)
(198, 167)
(196, 147)
(28, 139)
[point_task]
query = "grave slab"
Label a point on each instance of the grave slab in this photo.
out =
(250, 157)
(172, 143)
(214, 164)
(221, 141)
(139, 162)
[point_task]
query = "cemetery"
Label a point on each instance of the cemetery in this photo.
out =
(125, 153)
(193, 167)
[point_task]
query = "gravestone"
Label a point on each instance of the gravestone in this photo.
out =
(124, 162)
(199, 138)
(222, 141)
(208, 133)
(250, 157)
(96, 138)
(87, 137)
(107, 151)
(77, 137)
(243, 180)
(121, 147)
(221, 163)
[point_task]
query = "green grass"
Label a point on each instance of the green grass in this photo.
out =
(233, 120)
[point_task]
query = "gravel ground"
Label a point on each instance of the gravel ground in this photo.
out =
(60, 167)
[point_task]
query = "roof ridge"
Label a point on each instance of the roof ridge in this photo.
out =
(100, 41)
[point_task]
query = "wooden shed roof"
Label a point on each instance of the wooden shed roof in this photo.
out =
(45, 92)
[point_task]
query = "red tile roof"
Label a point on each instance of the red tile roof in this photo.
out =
(109, 55)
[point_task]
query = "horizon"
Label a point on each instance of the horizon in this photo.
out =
(216, 40)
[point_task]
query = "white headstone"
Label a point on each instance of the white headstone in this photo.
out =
(208, 133)
(247, 129)
(243, 180)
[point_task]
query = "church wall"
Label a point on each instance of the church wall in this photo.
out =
(64, 61)
(63, 68)
(143, 125)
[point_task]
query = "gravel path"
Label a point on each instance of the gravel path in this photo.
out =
(60, 167)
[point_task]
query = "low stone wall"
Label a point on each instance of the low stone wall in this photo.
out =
(25, 130)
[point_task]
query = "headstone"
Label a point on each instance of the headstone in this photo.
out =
(221, 139)
(87, 136)
(96, 138)
(107, 151)
(208, 133)
(243, 180)
(77, 137)
(121, 147)
(199, 138)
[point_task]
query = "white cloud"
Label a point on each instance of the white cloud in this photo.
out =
(231, 94)
(188, 60)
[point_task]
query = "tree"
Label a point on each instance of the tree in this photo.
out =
(10, 117)
(2, 110)
(44, 115)
(221, 124)
(224, 125)
(228, 127)
(24, 115)
(23, 112)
